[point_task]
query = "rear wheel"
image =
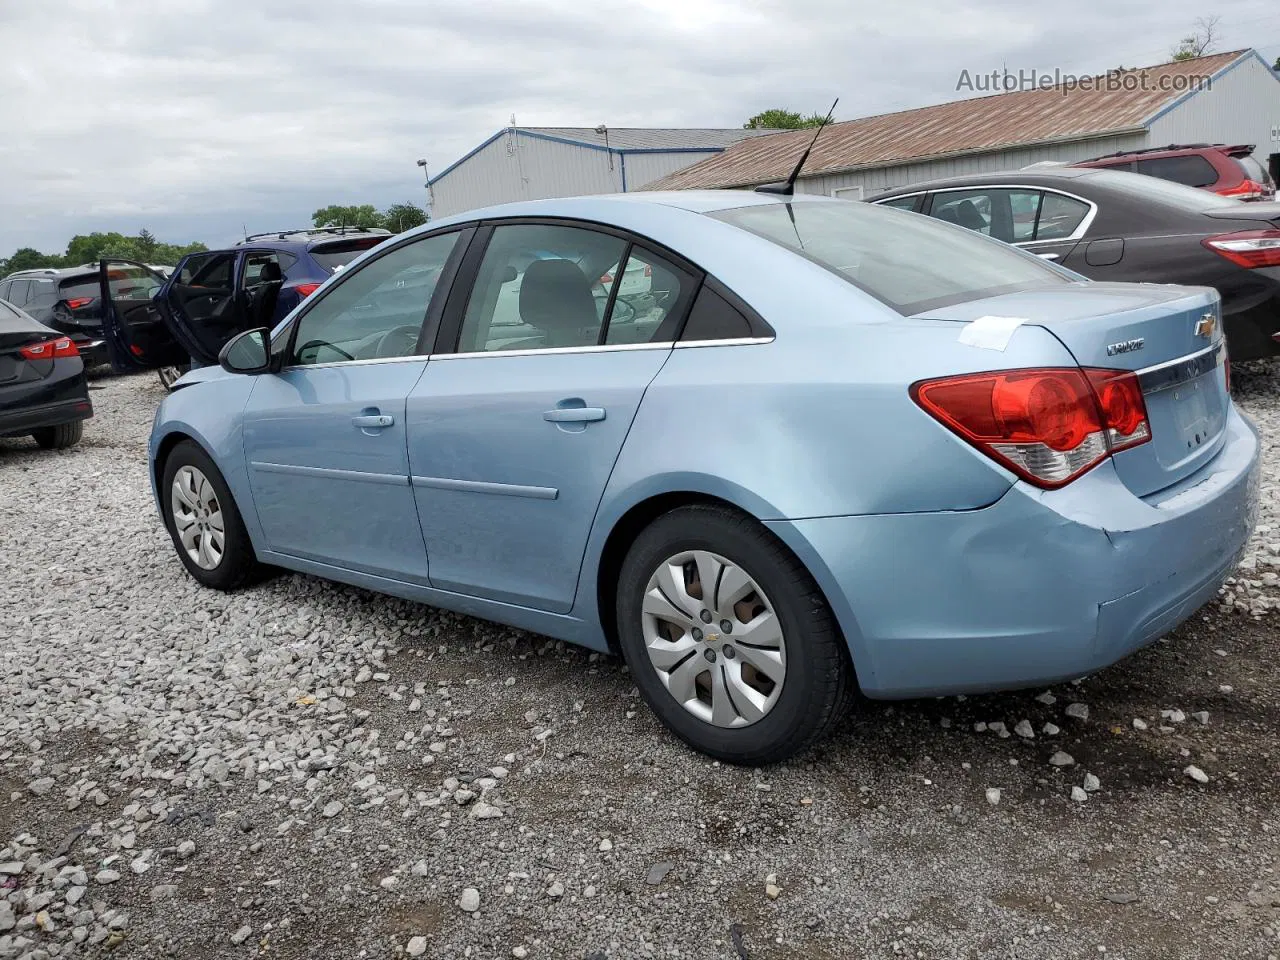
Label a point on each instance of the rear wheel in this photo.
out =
(204, 522)
(169, 375)
(63, 435)
(728, 637)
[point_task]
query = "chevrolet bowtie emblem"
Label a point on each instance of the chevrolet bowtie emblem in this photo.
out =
(1206, 325)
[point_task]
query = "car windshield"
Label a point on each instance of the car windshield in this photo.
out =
(907, 261)
(1154, 188)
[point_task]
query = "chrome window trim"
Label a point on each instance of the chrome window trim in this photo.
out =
(543, 351)
(897, 196)
(1173, 373)
(354, 363)
(726, 342)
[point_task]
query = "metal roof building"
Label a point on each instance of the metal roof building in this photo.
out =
(532, 163)
(1224, 98)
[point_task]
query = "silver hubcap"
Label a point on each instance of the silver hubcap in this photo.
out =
(714, 639)
(197, 516)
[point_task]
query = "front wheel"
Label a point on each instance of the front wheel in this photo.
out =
(204, 522)
(729, 639)
(170, 375)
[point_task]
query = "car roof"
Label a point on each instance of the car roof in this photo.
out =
(1041, 176)
(51, 272)
(306, 236)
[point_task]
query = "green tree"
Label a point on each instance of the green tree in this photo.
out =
(400, 217)
(364, 215)
(778, 119)
(146, 243)
(1276, 65)
(28, 258)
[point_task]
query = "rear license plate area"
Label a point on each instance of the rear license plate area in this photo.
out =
(1198, 411)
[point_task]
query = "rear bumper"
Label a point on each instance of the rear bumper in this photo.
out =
(21, 422)
(1040, 586)
(93, 350)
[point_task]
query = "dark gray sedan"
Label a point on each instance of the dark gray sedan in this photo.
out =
(1124, 226)
(43, 390)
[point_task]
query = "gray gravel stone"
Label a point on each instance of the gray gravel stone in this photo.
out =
(470, 900)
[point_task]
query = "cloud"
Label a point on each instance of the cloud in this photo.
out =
(195, 117)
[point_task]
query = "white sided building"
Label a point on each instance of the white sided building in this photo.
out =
(533, 163)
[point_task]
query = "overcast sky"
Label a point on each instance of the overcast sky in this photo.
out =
(195, 117)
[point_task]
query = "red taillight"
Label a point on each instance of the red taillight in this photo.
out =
(1047, 425)
(1248, 248)
(306, 289)
(75, 303)
(1245, 190)
(50, 349)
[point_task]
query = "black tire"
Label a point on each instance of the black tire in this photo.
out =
(238, 565)
(819, 682)
(59, 437)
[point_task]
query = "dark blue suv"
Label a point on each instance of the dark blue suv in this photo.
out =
(151, 322)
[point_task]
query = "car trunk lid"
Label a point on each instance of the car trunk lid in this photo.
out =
(1264, 212)
(1170, 336)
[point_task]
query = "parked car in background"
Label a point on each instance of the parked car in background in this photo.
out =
(1109, 225)
(65, 299)
(211, 296)
(826, 457)
(43, 390)
(1230, 171)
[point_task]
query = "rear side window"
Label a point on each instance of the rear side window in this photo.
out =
(18, 292)
(211, 270)
(1192, 170)
(715, 318)
(338, 253)
(911, 264)
(41, 293)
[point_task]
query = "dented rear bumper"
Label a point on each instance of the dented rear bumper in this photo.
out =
(1038, 587)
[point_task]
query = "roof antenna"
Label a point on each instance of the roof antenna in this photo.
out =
(789, 188)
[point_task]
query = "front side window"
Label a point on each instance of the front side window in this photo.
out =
(911, 264)
(377, 311)
(542, 286)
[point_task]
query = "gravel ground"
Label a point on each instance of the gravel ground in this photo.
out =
(309, 770)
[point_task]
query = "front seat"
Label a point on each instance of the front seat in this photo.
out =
(265, 294)
(967, 215)
(556, 298)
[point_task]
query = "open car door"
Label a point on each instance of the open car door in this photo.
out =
(203, 302)
(136, 333)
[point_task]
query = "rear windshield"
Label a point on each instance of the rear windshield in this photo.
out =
(76, 287)
(1138, 185)
(910, 262)
(1254, 170)
(338, 253)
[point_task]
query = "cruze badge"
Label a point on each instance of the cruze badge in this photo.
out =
(1206, 325)
(1126, 346)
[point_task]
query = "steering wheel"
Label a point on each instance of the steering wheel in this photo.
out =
(628, 317)
(317, 344)
(398, 342)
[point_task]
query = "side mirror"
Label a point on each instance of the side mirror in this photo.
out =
(248, 352)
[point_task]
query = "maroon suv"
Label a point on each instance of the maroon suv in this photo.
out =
(1230, 171)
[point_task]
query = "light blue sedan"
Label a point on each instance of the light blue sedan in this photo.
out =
(831, 445)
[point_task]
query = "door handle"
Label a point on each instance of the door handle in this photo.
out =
(373, 421)
(1047, 256)
(574, 414)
